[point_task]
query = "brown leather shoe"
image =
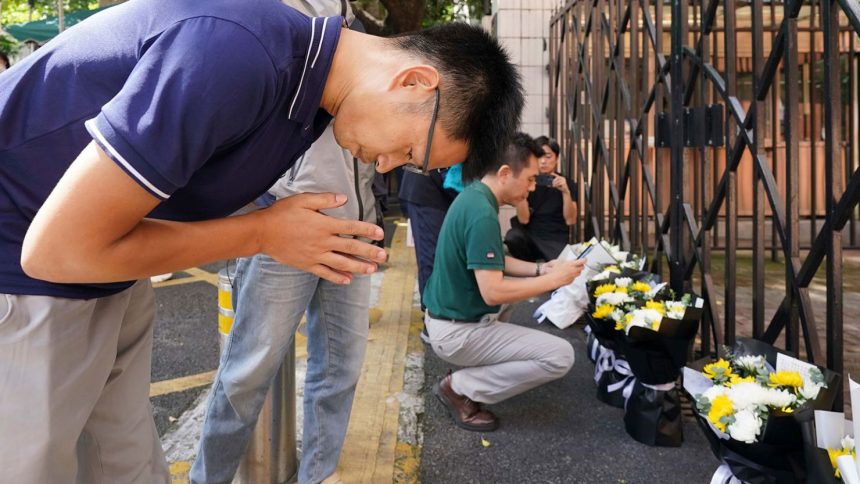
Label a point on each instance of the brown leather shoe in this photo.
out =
(466, 413)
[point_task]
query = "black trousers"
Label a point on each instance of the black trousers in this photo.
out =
(523, 245)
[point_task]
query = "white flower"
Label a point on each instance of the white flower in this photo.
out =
(617, 315)
(780, 398)
(751, 364)
(620, 255)
(630, 264)
(714, 392)
(748, 395)
(809, 390)
(746, 426)
(613, 298)
(675, 309)
(623, 281)
(644, 318)
(847, 443)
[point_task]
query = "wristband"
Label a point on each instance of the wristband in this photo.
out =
(537, 268)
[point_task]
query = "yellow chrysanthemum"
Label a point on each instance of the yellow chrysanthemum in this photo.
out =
(656, 306)
(734, 379)
(721, 407)
(602, 311)
(655, 325)
(622, 290)
(785, 379)
(717, 368)
(620, 325)
(640, 286)
(604, 288)
(612, 269)
(833, 454)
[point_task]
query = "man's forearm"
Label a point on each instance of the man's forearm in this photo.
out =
(519, 268)
(509, 291)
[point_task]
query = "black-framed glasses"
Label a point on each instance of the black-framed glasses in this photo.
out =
(424, 168)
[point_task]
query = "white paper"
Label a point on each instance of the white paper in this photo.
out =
(829, 429)
(787, 363)
(598, 256)
(854, 391)
(696, 383)
(656, 289)
(848, 468)
(700, 303)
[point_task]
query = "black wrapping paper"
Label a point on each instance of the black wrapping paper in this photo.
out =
(608, 379)
(653, 417)
(757, 463)
(657, 357)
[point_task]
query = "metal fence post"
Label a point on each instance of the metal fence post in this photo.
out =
(271, 456)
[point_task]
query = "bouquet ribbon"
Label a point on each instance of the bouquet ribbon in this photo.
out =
(626, 384)
(723, 475)
(604, 362)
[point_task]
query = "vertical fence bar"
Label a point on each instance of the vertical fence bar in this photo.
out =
(792, 174)
(758, 241)
(636, 239)
(833, 184)
(676, 213)
(730, 59)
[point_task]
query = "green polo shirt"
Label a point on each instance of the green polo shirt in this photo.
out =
(470, 239)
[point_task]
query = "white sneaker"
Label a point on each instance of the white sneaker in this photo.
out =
(161, 277)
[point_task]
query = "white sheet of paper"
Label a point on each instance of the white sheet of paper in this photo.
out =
(848, 468)
(598, 256)
(696, 383)
(829, 429)
(854, 391)
(787, 363)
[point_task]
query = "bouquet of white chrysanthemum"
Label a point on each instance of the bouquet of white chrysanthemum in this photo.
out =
(746, 405)
(570, 302)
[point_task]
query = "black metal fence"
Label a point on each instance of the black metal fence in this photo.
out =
(702, 128)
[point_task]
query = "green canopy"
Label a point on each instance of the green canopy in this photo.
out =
(41, 31)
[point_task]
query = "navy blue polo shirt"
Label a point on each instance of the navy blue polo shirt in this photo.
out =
(203, 103)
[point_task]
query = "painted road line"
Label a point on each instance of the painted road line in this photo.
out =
(181, 384)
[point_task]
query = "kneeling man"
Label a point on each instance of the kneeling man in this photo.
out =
(468, 286)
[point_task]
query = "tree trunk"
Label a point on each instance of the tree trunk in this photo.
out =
(61, 16)
(403, 16)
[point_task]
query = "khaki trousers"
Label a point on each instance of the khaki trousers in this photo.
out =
(74, 390)
(501, 359)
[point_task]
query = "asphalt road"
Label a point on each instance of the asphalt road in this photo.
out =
(186, 341)
(556, 433)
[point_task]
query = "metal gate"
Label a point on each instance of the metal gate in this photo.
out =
(703, 127)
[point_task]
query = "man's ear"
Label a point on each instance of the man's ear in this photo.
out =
(419, 78)
(504, 172)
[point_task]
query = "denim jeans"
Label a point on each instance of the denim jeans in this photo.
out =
(270, 299)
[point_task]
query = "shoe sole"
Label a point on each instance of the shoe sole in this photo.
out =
(458, 423)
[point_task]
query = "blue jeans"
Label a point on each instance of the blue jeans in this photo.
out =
(270, 301)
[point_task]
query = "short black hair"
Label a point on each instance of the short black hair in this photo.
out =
(516, 154)
(553, 144)
(5, 60)
(481, 94)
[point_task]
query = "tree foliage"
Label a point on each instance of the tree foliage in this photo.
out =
(19, 11)
(390, 17)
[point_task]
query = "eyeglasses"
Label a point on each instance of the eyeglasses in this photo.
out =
(424, 169)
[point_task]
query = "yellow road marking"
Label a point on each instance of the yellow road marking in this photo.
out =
(179, 472)
(369, 450)
(197, 275)
(159, 388)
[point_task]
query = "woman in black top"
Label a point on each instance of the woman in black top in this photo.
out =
(541, 229)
